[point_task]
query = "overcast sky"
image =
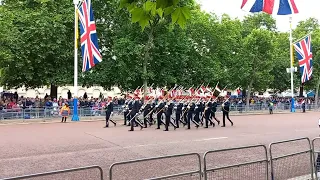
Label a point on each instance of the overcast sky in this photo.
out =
(307, 8)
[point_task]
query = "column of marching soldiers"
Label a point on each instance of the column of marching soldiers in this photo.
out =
(199, 111)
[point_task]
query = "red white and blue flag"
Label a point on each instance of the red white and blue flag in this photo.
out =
(89, 39)
(304, 54)
(283, 7)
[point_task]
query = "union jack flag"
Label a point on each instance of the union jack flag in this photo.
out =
(89, 39)
(285, 7)
(304, 53)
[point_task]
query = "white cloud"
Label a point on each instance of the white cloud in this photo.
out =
(307, 9)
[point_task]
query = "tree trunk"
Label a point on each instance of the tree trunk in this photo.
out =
(53, 91)
(301, 91)
(145, 62)
(248, 95)
(317, 92)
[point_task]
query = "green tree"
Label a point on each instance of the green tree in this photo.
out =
(302, 29)
(149, 13)
(38, 46)
(257, 61)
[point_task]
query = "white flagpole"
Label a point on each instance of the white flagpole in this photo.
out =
(292, 69)
(75, 116)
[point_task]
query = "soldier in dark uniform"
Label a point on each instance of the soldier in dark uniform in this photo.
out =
(191, 109)
(213, 111)
(152, 108)
(134, 112)
(159, 112)
(178, 113)
(225, 111)
(185, 113)
(201, 109)
(129, 116)
(168, 113)
(197, 110)
(146, 110)
(109, 111)
(125, 112)
(207, 113)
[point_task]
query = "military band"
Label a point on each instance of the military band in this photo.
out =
(169, 113)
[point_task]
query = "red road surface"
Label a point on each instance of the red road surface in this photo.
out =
(35, 148)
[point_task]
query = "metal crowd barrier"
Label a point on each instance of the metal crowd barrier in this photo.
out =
(182, 166)
(291, 159)
(316, 156)
(250, 163)
(82, 173)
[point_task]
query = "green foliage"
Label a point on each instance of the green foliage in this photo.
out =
(147, 12)
(38, 48)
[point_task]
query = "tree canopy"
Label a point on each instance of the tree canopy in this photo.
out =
(164, 42)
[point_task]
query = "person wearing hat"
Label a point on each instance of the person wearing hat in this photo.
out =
(134, 112)
(65, 112)
(213, 107)
(159, 112)
(178, 109)
(191, 109)
(109, 110)
(225, 112)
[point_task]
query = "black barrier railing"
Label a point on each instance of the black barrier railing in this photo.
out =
(249, 162)
(285, 164)
(316, 156)
(225, 163)
(81, 176)
(175, 169)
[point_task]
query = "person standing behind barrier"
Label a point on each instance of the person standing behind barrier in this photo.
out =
(270, 107)
(303, 105)
(225, 112)
(109, 111)
(65, 112)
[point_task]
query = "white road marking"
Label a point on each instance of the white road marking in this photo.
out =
(175, 142)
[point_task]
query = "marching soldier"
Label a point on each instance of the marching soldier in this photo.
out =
(135, 110)
(213, 111)
(207, 113)
(152, 108)
(191, 109)
(130, 113)
(178, 113)
(185, 113)
(159, 111)
(146, 111)
(225, 111)
(109, 111)
(126, 112)
(168, 112)
(197, 113)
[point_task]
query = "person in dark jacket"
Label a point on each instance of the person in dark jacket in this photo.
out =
(178, 113)
(167, 112)
(225, 112)
(109, 111)
(134, 112)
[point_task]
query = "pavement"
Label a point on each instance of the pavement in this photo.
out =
(40, 147)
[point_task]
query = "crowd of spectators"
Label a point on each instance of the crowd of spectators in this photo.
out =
(13, 101)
